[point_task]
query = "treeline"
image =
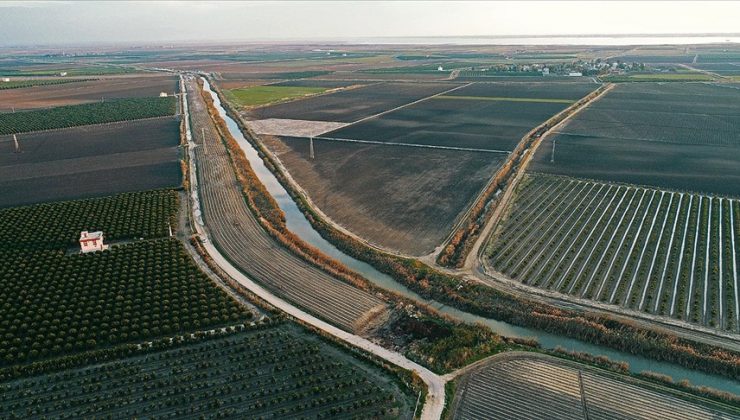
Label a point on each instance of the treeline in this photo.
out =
(453, 255)
(491, 303)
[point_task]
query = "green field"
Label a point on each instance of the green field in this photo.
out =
(94, 113)
(505, 99)
(75, 71)
(273, 371)
(55, 301)
(263, 95)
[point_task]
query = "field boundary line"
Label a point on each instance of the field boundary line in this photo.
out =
(424, 146)
(388, 111)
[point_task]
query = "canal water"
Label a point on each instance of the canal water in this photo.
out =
(298, 224)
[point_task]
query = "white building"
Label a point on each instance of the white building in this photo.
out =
(92, 241)
(6, 79)
(575, 74)
(64, 73)
(440, 68)
(162, 94)
(545, 71)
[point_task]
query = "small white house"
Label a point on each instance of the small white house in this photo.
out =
(6, 79)
(162, 94)
(64, 73)
(545, 71)
(92, 241)
(440, 68)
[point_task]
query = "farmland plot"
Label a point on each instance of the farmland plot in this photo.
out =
(55, 301)
(86, 114)
(679, 136)
(490, 116)
(265, 372)
(87, 91)
(402, 198)
(531, 387)
(663, 252)
(89, 161)
(352, 105)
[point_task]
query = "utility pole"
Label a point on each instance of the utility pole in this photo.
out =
(311, 148)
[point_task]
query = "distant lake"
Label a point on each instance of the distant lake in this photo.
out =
(554, 40)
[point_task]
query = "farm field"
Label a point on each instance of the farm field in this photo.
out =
(86, 114)
(676, 135)
(84, 91)
(89, 161)
(531, 386)
(55, 301)
(20, 84)
(263, 372)
(244, 241)
(351, 105)
(724, 69)
(399, 197)
(488, 116)
(264, 95)
(666, 253)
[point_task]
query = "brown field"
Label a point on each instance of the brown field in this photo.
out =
(89, 161)
(85, 92)
(401, 198)
(534, 386)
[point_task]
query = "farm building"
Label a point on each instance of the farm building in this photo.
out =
(162, 94)
(6, 79)
(92, 241)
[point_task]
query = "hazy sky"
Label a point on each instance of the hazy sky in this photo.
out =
(23, 23)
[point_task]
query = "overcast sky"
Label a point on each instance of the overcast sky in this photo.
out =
(23, 23)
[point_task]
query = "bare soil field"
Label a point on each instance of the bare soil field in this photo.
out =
(85, 92)
(330, 84)
(351, 105)
(468, 123)
(401, 198)
(525, 89)
(532, 387)
(675, 135)
(90, 161)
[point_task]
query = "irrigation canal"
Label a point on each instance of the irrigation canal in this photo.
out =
(298, 224)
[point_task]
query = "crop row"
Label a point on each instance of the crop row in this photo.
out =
(86, 114)
(278, 372)
(530, 388)
(667, 253)
(16, 84)
(57, 225)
